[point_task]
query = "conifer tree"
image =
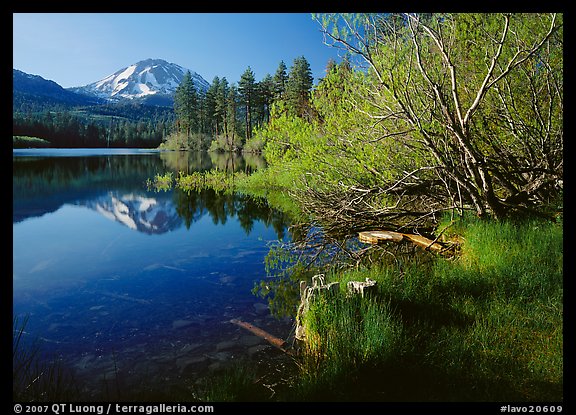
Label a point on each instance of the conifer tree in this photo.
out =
(280, 79)
(212, 124)
(185, 105)
(247, 90)
(298, 87)
(266, 89)
(221, 107)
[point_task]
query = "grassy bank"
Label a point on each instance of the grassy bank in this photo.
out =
(20, 141)
(484, 327)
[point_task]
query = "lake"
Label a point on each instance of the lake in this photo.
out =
(132, 286)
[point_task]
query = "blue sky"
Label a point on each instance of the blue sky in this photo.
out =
(77, 49)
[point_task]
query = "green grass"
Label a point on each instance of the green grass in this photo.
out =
(20, 141)
(484, 327)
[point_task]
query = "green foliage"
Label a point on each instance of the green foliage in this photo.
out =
(298, 87)
(161, 182)
(19, 141)
(444, 111)
(280, 79)
(253, 145)
(183, 141)
(247, 91)
(96, 126)
(225, 144)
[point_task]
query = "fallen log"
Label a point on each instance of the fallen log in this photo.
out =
(425, 243)
(376, 237)
(273, 340)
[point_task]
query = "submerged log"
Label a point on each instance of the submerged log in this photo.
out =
(273, 340)
(376, 237)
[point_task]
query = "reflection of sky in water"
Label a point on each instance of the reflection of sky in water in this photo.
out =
(77, 244)
(95, 283)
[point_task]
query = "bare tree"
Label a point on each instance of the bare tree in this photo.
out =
(478, 97)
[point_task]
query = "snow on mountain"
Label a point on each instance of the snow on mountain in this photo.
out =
(141, 80)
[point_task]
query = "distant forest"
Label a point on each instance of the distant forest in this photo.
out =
(222, 118)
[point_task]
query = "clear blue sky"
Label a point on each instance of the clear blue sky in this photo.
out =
(77, 49)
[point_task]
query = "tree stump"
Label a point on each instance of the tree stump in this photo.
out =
(319, 287)
(364, 288)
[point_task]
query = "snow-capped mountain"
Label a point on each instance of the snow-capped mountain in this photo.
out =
(150, 77)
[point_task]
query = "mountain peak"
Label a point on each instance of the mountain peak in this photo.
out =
(142, 80)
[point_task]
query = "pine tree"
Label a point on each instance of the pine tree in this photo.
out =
(280, 79)
(212, 124)
(247, 90)
(298, 87)
(221, 107)
(185, 104)
(266, 95)
(232, 109)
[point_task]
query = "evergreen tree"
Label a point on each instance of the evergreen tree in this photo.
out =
(202, 113)
(247, 90)
(232, 110)
(221, 106)
(280, 79)
(185, 105)
(298, 87)
(212, 124)
(266, 95)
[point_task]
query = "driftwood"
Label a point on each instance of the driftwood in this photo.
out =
(273, 340)
(376, 237)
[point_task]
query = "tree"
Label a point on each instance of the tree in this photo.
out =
(298, 87)
(232, 110)
(280, 79)
(247, 90)
(211, 93)
(221, 106)
(266, 97)
(476, 99)
(185, 105)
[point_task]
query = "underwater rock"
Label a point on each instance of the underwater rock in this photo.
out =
(260, 308)
(178, 324)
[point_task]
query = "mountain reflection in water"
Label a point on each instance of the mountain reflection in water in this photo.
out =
(114, 277)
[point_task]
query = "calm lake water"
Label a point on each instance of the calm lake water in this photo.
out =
(134, 285)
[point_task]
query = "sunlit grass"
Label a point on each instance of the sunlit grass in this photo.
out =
(486, 326)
